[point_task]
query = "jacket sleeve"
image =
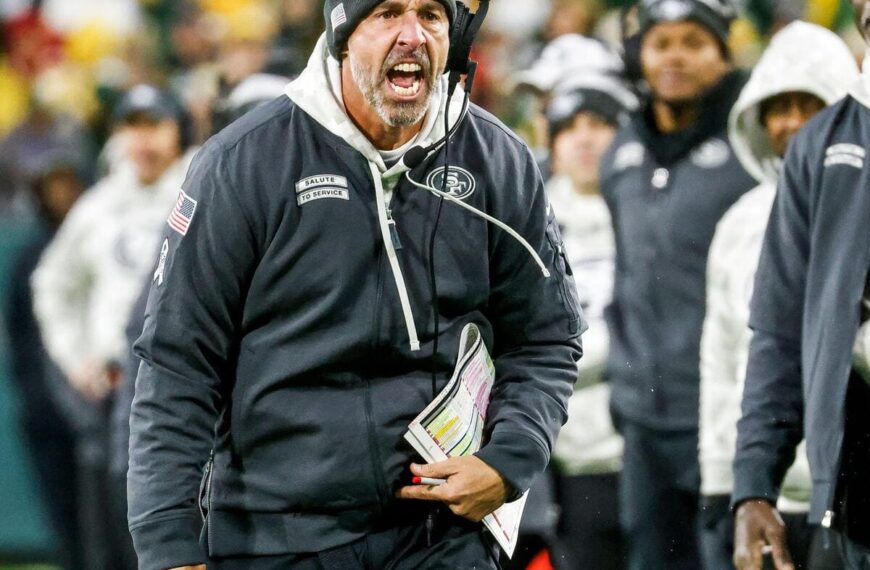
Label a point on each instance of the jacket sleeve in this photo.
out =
(187, 349)
(537, 326)
(60, 289)
(771, 426)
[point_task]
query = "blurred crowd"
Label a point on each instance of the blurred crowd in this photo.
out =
(103, 103)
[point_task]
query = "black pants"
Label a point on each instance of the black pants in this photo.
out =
(456, 545)
(54, 461)
(658, 491)
(808, 544)
(589, 535)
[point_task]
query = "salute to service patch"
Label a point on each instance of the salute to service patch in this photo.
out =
(321, 186)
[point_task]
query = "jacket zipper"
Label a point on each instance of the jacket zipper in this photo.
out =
(380, 480)
(394, 232)
(830, 514)
(828, 517)
(377, 464)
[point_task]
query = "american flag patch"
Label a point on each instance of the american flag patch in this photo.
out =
(182, 214)
(338, 16)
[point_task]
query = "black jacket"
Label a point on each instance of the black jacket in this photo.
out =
(274, 334)
(666, 193)
(805, 309)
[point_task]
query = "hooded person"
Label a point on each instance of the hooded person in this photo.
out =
(805, 68)
(277, 432)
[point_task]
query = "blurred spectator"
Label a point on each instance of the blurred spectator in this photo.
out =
(667, 179)
(804, 69)
(573, 17)
(32, 44)
(43, 135)
(246, 32)
(107, 241)
(251, 92)
(117, 17)
(49, 437)
(569, 61)
(588, 454)
(300, 28)
(87, 280)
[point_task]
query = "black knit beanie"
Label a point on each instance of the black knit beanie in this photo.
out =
(563, 108)
(715, 15)
(343, 16)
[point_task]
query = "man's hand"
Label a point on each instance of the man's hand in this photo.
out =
(473, 488)
(197, 567)
(758, 524)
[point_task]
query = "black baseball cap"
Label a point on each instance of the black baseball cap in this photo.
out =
(148, 100)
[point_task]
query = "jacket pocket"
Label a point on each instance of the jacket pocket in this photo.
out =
(204, 501)
(565, 275)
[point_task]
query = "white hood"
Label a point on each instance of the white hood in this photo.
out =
(801, 57)
(861, 88)
(317, 91)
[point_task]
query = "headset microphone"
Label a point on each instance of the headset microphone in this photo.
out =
(465, 28)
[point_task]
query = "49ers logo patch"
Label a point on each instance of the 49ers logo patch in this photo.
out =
(460, 182)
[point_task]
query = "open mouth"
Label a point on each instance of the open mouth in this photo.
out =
(406, 79)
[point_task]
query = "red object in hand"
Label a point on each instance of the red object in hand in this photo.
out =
(541, 561)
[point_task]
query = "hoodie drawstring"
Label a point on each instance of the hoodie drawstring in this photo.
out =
(387, 238)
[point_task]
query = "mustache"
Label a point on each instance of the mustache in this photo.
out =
(419, 56)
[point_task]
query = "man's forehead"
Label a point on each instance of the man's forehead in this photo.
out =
(416, 4)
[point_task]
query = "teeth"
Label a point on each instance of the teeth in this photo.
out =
(407, 67)
(406, 91)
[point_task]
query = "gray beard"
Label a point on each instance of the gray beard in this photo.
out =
(393, 113)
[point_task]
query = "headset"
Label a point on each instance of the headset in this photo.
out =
(466, 25)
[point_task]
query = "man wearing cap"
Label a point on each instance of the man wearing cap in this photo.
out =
(583, 121)
(667, 179)
(89, 275)
(88, 278)
(290, 336)
(808, 373)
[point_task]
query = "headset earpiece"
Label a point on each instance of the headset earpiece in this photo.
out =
(465, 28)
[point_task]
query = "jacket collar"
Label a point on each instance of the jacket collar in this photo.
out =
(669, 148)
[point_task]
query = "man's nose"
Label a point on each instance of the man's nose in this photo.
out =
(795, 118)
(411, 32)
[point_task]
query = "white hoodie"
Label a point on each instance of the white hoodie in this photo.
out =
(802, 57)
(588, 443)
(92, 272)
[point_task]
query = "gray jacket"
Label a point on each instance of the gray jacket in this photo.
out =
(665, 193)
(805, 309)
(277, 337)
